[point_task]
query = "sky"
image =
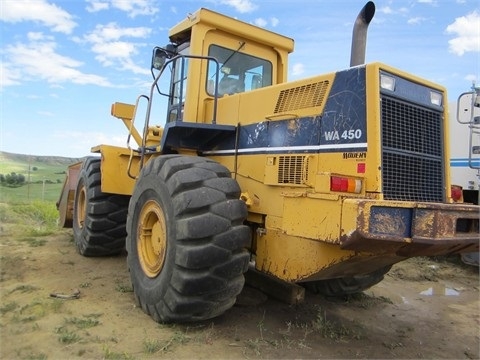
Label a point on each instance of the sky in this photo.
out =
(64, 62)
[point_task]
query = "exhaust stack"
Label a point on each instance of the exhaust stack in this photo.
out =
(359, 36)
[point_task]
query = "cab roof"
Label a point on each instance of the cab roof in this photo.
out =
(182, 31)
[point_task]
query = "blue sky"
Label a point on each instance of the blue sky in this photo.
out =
(63, 63)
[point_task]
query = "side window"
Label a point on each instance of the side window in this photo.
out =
(239, 72)
(178, 88)
(179, 82)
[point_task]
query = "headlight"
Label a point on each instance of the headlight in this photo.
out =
(436, 98)
(387, 82)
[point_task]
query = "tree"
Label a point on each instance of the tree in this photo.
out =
(13, 179)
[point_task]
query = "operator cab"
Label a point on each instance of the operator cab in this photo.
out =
(212, 57)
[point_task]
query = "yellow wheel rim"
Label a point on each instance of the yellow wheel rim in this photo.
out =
(81, 207)
(151, 238)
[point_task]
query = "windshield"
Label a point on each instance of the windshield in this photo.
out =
(239, 72)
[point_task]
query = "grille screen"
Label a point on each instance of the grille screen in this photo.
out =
(302, 97)
(412, 141)
(291, 169)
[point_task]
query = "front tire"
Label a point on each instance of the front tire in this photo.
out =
(99, 219)
(186, 240)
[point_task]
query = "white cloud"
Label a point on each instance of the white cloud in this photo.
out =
(132, 7)
(298, 69)
(9, 76)
(80, 141)
(386, 10)
(95, 5)
(416, 20)
(467, 34)
(242, 6)
(39, 60)
(40, 11)
(112, 32)
(111, 50)
(108, 51)
(261, 22)
(471, 78)
(36, 36)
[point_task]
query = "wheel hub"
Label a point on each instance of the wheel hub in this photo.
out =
(151, 238)
(81, 207)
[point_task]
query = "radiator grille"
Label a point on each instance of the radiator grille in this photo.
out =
(292, 170)
(302, 97)
(412, 141)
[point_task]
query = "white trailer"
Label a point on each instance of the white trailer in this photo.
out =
(465, 151)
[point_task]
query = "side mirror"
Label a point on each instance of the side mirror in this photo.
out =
(159, 58)
(468, 106)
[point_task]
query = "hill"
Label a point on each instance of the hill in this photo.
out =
(6, 157)
(44, 176)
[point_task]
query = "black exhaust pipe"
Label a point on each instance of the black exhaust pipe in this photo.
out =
(359, 36)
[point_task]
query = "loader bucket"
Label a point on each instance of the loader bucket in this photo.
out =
(67, 196)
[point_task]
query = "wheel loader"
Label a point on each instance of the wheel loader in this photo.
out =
(321, 183)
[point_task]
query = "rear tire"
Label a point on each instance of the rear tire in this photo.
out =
(99, 219)
(340, 287)
(186, 240)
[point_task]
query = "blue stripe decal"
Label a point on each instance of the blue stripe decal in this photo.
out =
(291, 149)
(341, 127)
(464, 162)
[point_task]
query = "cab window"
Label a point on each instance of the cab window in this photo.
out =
(239, 72)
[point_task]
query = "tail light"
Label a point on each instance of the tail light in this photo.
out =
(456, 193)
(345, 184)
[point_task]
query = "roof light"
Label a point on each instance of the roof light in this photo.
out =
(387, 82)
(436, 98)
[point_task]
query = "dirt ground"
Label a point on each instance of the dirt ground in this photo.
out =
(423, 309)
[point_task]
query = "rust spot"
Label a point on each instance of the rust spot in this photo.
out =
(387, 224)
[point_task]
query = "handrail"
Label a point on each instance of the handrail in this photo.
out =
(155, 85)
(132, 121)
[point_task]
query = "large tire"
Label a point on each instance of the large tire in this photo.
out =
(340, 287)
(186, 240)
(99, 219)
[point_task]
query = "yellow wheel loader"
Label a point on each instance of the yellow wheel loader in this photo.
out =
(324, 182)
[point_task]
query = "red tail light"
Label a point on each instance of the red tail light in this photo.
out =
(344, 184)
(457, 193)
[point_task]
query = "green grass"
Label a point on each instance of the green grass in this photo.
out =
(11, 306)
(34, 220)
(30, 192)
(40, 212)
(87, 321)
(67, 337)
(112, 355)
(151, 346)
(40, 218)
